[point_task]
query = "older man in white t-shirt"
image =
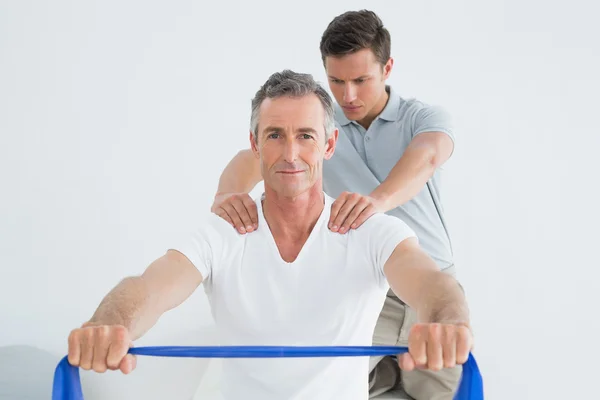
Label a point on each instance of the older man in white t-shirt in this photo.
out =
(293, 281)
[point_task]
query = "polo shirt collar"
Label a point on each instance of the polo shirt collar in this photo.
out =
(390, 111)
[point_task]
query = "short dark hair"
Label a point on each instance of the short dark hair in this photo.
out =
(353, 31)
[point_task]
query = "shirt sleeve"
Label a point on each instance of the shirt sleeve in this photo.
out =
(433, 119)
(202, 247)
(384, 233)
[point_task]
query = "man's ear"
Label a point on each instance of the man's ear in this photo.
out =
(331, 143)
(387, 68)
(253, 145)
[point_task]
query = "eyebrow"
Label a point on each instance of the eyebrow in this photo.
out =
(338, 79)
(270, 129)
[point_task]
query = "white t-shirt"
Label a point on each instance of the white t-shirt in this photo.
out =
(331, 295)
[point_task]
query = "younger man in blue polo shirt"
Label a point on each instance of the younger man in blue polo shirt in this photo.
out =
(387, 159)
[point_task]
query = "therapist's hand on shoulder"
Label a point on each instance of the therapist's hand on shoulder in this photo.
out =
(351, 210)
(238, 209)
(101, 348)
(436, 346)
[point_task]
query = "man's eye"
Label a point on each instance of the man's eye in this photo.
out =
(306, 136)
(360, 80)
(273, 136)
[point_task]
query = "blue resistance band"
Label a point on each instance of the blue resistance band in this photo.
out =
(67, 385)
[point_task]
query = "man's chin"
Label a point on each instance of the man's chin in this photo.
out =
(353, 116)
(289, 191)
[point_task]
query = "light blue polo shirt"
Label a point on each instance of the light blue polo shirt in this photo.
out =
(364, 158)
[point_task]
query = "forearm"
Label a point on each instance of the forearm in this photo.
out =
(138, 302)
(129, 304)
(241, 174)
(442, 301)
(436, 296)
(407, 178)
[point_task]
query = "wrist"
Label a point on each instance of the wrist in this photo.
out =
(382, 199)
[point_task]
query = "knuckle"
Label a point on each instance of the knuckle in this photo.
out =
(119, 333)
(417, 328)
(449, 332)
(74, 336)
(435, 329)
(464, 331)
(88, 334)
(101, 332)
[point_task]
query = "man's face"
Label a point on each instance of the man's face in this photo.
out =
(291, 143)
(357, 82)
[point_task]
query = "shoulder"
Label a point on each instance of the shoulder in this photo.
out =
(418, 117)
(383, 222)
(215, 229)
(417, 109)
(380, 228)
(379, 236)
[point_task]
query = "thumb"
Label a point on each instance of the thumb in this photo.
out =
(406, 362)
(128, 364)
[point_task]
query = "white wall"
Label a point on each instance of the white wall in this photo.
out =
(116, 118)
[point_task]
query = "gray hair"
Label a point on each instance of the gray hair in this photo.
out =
(292, 84)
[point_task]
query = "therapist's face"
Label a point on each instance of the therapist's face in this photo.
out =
(357, 81)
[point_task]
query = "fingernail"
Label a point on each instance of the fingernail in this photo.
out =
(242, 230)
(334, 227)
(342, 229)
(353, 225)
(249, 228)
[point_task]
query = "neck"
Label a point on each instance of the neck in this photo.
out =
(293, 217)
(378, 109)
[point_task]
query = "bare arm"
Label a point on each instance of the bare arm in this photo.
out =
(425, 153)
(422, 157)
(241, 174)
(129, 310)
(136, 303)
(442, 337)
(415, 278)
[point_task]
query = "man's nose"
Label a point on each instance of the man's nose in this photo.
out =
(290, 152)
(349, 93)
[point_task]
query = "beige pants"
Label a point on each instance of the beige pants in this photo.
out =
(392, 329)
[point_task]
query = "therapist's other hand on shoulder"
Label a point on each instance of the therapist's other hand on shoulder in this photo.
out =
(238, 209)
(351, 210)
